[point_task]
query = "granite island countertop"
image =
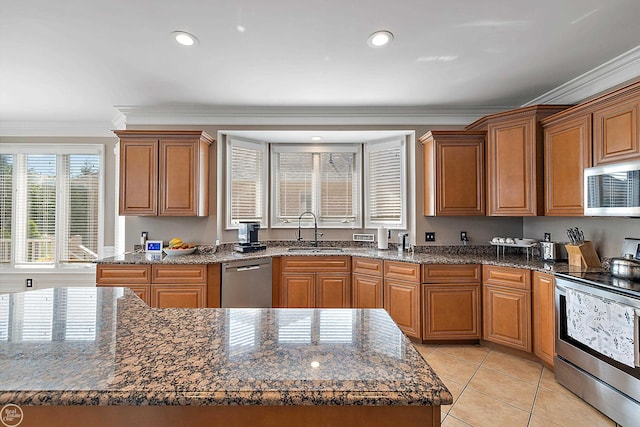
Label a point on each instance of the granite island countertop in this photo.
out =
(442, 255)
(104, 346)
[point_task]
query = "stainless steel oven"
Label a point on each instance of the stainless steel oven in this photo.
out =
(596, 361)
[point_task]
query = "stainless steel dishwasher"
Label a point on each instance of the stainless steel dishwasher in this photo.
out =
(246, 283)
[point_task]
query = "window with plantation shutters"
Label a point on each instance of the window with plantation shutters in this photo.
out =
(324, 180)
(385, 195)
(246, 183)
(50, 204)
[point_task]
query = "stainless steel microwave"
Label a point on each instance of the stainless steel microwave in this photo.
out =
(612, 190)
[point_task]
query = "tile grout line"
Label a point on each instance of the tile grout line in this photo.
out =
(535, 396)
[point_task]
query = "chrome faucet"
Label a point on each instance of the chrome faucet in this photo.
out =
(315, 228)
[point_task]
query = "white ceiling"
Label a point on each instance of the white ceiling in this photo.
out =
(78, 60)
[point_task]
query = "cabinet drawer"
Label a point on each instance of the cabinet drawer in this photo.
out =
(451, 273)
(405, 271)
(517, 278)
(179, 274)
(316, 263)
(123, 274)
(367, 266)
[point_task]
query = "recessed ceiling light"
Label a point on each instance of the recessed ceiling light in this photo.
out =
(241, 29)
(316, 138)
(184, 38)
(380, 39)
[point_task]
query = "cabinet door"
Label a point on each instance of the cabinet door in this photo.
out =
(460, 178)
(511, 168)
(615, 133)
(178, 296)
(567, 152)
(138, 177)
(297, 290)
(367, 291)
(543, 317)
(402, 302)
(507, 316)
(178, 177)
(451, 311)
(333, 290)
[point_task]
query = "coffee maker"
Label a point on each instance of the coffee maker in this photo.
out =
(248, 237)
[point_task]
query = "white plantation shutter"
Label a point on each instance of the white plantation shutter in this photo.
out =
(6, 206)
(294, 189)
(81, 182)
(40, 223)
(385, 176)
(337, 187)
(247, 183)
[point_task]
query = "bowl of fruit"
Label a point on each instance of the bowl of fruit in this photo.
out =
(178, 247)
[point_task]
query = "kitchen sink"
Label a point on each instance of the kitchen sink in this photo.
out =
(313, 249)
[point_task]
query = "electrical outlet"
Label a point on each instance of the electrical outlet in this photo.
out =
(430, 236)
(547, 237)
(28, 283)
(463, 236)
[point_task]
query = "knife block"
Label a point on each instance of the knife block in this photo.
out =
(583, 255)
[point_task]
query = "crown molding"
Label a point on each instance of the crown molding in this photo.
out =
(219, 115)
(618, 70)
(57, 128)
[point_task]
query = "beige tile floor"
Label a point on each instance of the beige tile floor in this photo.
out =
(492, 388)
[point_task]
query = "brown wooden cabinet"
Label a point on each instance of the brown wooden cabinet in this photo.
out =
(567, 152)
(367, 283)
(451, 302)
(454, 172)
(402, 295)
(164, 173)
(544, 329)
(515, 160)
(135, 277)
(506, 306)
(160, 286)
(615, 131)
(315, 282)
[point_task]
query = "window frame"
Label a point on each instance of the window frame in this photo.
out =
(57, 150)
(355, 149)
(378, 146)
(250, 145)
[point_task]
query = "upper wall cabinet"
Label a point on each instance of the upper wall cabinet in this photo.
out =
(615, 129)
(164, 173)
(515, 160)
(567, 152)
(454, 172)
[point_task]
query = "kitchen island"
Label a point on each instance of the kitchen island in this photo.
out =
(100, 356)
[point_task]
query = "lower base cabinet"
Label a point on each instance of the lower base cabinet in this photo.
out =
(544, 327)
(451, 312)
(315, 282)
(451, 302)
(402, 302)
(161, 286)
(506, 307)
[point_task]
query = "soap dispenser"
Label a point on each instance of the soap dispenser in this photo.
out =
(402, 242)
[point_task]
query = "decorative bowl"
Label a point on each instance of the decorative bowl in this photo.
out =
(174, 252)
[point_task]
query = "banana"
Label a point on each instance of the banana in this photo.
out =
(176, 241)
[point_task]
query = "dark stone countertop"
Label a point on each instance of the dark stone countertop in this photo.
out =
(104, 346)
